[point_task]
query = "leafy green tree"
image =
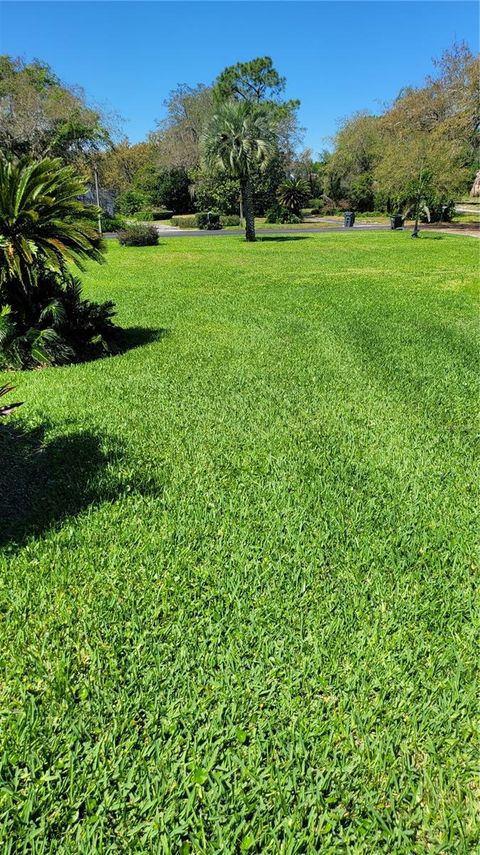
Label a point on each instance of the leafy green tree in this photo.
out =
(361, 194)
(258, 82)
(132, 201)
(40, 116)
(254, 81)
(423, 154)
(177, 137)
(172, 189)
(350, 168)
(123, 166)
(293, 194)
(216, 191)
(304, 166)
(238, 140)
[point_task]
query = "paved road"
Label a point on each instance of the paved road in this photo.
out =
(261, 233)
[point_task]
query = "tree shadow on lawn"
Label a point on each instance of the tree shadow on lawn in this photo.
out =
(281, 238)
(43, 482)
(132, 337)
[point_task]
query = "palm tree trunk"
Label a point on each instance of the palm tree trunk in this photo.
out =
(248, 211)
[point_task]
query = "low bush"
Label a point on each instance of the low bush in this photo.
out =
(53, 325)
(282, 215)
(208, 220)
(229, 220)
(142, 216)
(184, 222)
(148, 215)
(112, 224)
(138, 235)
(109, 223)
(316, 203)
(162, 214)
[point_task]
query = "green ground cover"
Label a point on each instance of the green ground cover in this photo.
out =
(238, 570)
(467, 218)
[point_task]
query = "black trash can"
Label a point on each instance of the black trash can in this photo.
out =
(348, 219)
(396, 221)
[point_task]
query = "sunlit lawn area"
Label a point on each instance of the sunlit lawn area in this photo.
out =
(238, 570)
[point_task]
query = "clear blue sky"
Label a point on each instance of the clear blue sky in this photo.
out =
(338, 57)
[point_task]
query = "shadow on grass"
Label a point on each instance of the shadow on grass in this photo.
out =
(281, 238)
(132, 337)
(45, 481)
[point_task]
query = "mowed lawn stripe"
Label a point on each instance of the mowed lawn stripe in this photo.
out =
(239, 609)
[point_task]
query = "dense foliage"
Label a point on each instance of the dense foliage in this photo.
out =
(40, 115)
(44, 228)
(138, 235)
(239, 140)
(293, 194)
(383, 161)
(53, 324)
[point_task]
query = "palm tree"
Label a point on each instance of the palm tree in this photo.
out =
(240, 139)
(42, 221)
(293, 193)
(43, 228)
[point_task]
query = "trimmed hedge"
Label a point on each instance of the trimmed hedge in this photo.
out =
(138, 235)
(185, 222)
(191, 222)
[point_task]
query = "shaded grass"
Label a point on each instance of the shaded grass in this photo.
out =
(244, 618)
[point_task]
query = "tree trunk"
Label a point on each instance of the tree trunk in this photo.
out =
(248, 211)
(417, 217)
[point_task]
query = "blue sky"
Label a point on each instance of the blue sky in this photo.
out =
(338, 57)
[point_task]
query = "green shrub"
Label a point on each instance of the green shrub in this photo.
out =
(149, 215)
(43, 227)
(109, 223)
(229, 220)
(282, 215)
(54, 325)
(138, 235)
(112, 224)
(142, 216)
(208, 220)
(185, 222)
(292, 194)
(432, 211)
(162, 214)
(132, 201)
(317, 206)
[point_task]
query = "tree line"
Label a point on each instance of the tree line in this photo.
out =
(421, 151)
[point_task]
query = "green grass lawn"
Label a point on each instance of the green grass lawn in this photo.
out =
(467, 218)
(238, 599)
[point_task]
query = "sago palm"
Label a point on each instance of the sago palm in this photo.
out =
(293, 194)
(41, 220)
(239, 140)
